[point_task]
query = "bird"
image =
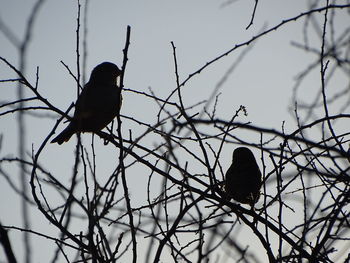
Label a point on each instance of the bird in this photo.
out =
(98, 103)
(243, 178)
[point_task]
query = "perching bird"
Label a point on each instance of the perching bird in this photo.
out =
(98, 103)
(243, 178)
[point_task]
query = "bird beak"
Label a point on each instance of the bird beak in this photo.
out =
(117, 81)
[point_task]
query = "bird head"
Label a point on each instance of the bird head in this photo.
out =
(242, 154)
(105, 72)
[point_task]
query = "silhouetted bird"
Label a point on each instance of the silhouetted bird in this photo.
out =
(98, 103)
(243, 178)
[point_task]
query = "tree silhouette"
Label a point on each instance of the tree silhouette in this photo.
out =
(303, 211)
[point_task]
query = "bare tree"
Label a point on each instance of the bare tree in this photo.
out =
(303, 212)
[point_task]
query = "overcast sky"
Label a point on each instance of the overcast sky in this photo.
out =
(200, 29)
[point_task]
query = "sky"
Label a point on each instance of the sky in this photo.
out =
(200, 29)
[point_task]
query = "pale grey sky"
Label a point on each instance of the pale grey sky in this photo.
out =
(201, 30)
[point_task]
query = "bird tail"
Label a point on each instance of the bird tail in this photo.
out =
(64, 136)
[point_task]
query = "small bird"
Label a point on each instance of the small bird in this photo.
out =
(98, 103)
(243, 178)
